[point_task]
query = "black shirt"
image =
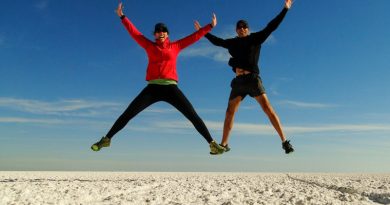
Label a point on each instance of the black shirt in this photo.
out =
(245, 51)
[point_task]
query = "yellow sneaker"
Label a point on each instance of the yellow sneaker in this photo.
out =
(216, 149)
(104, 142)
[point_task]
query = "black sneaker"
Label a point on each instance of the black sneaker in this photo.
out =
(287, 147)
(227, 148)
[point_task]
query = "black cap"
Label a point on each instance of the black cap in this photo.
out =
(160, 27)
(242, 23)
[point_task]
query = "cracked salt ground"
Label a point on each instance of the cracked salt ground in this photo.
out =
(374, 187)
(192, 188)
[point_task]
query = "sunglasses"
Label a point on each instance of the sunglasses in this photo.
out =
(160, 30)
(242, 26)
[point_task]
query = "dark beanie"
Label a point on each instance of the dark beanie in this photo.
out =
(242, 23)
(160, 27)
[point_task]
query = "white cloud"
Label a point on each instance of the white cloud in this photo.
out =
(243, 128)
(229, 31)
(271, 40)
(205, 49)
(254, 129)
(208, 51)
(277, 83)
(160, 110)
(157, 110)
(306, 105)
(55, 121)
(74, 107)
(92, 108)
(339, 128)
(29, 120)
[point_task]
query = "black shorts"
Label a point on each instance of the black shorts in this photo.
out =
(244, 85)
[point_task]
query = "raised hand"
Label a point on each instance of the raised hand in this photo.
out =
(119, 10)
(197, 25)
(214, 20)
(288, 4)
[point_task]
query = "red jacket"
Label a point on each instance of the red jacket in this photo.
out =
(162, 56)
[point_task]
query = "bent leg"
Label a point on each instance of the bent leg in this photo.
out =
(142, 101)
(273, 117)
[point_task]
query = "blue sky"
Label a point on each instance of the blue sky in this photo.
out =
(68, 69)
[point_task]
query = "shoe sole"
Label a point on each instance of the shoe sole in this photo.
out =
(95, 148)
(290, 152)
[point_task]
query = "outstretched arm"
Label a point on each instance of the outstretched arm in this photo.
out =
(201, 31)
(133, 31)
(213, 39)
(262, 35)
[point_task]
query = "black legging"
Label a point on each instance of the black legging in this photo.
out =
(154, 93)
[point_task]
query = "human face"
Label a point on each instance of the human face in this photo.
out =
(242, 31)
(160, 36)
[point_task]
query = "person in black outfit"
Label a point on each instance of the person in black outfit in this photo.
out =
(245, 51)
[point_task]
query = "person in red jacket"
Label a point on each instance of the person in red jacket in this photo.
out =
(162, 79)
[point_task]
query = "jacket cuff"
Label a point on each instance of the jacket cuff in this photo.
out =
(122, 17)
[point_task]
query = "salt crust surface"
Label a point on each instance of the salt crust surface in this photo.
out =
(192, 188)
